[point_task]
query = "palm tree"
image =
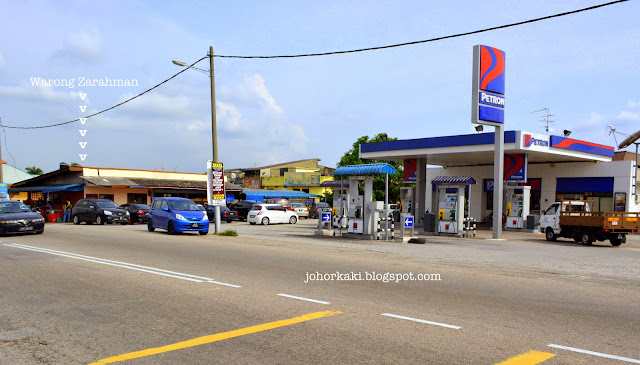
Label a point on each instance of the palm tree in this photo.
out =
(33, 170)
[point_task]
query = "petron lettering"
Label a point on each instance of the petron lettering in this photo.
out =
(539, 142)
(492, 99)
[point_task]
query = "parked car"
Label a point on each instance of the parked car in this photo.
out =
(98, 211)
(318, 208)
(243, 207)
(282, 201)
(16, 217)
(271, 213)
(177, 215)
(301, 209)
(138, 213)
(226, 214)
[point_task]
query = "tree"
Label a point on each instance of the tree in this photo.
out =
(33, 170)
(352, 157)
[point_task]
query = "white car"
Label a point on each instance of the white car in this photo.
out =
(271, 213)
(301, 209)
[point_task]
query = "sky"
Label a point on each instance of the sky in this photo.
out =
(583, 67)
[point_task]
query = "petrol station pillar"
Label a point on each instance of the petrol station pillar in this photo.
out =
(421, 190)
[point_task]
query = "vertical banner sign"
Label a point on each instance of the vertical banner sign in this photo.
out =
(4, 192)
(488, 98)
(217, 184)
(515, 167)
(410, 166)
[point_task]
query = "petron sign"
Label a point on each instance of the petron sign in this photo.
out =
(488, 98)
(410, 167)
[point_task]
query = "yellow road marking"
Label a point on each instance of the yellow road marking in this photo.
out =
(217, 337)
(528, 358)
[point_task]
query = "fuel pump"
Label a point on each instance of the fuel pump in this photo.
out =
(356, 215)
(450, 208)
(517, 205)
(406, 200)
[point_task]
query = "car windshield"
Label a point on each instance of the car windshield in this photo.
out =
(183, 205)
(13, 207)
(107, 204)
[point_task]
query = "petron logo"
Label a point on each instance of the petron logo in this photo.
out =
(530, 141)
(491, 69)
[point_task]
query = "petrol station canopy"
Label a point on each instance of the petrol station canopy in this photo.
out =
(478, 149)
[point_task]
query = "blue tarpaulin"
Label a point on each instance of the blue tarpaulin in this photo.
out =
(366, 169)
(49, 188)
(277, 194)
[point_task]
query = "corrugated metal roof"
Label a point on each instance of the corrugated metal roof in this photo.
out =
(441, 180)
(334, 184)
(279, 193)
(372, 168)
(109, 181)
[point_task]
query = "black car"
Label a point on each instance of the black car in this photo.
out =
(243, 207)
(98, 211)
(226, 214)
(16, 217)
(138, 213)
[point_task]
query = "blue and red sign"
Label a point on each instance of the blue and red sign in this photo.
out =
(410, 167)
(488, 85)
(491, 69)
(530, 141)
(581, 146)
(515, 167)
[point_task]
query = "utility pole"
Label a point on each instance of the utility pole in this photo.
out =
(214, 133)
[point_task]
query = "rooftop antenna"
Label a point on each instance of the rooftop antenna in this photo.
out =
(546, 118)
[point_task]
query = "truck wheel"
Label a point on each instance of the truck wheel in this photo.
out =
(549, 235)
(585, 238)
(616, 242)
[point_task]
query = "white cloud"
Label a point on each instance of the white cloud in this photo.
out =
(633, 104)
(86, 46)
(258, 87)
(625, 115)
(37, 93)
(229, 119)
(2, 62)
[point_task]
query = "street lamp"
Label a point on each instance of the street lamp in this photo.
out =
(214, 134)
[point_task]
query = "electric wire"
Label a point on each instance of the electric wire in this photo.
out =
(433, 39)
(339, 52)
(113, 107)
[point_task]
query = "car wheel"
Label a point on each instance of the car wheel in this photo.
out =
(202, 233)
(124, 224)
(150, 226)
(76, 220)
(585, 238)
(252, 223)
(99, 220)
(549, 235)
(41, 232)
(293, 220)
(265, 221)
(170, 228)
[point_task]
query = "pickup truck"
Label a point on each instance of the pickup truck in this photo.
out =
(575, 219)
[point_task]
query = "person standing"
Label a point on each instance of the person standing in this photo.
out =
(67, 212)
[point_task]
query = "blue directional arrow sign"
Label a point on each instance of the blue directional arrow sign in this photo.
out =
(408, 222)
(326, 217)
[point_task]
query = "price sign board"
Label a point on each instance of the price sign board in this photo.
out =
(217, 184)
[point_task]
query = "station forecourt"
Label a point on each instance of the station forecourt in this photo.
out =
(555, 168)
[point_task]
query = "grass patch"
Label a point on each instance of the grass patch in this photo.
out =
(229, 232)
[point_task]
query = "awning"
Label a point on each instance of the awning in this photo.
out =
(372, 168)
(279, 193)
(49, 188)
(442, 180)
(334, 184)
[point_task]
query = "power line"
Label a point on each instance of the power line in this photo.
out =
(433, 39)
(113, 107)
(340, 52)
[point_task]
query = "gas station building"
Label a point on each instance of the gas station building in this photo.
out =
(554, 167)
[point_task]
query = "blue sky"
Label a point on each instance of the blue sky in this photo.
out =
(583, 67)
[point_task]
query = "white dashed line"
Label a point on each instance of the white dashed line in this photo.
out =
(305, 299)
(633, 361)
(421, 321)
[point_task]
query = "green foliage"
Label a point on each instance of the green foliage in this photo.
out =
(33, 170)
(352, 157)
(229, 232)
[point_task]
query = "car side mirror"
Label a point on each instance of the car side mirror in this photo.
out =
(165, 209)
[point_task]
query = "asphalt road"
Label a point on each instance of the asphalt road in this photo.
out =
(191, 299)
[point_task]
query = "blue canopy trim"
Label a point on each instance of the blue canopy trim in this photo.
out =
(442, 180)
(50, 188)
(278, 194)
(372, 168)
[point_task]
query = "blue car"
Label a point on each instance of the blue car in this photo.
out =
(177, 215)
